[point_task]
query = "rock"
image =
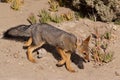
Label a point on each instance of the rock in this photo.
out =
(15, 55)
(117, 74)
(114, 27)
(42, 52)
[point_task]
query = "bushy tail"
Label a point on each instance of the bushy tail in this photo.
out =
(18, 32)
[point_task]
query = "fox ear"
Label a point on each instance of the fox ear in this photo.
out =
(79, 41)
(86, 41)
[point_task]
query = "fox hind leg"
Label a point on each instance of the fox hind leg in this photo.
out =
(28, 43)
(30, 50)
(62, 54)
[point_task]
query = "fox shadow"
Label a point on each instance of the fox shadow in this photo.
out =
(75, 58)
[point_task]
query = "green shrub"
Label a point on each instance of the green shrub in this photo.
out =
(44, 16)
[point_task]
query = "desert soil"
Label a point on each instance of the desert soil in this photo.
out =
(15, 66)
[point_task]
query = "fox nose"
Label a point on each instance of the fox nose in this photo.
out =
(88, 60)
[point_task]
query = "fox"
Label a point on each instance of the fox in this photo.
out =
(39, 34)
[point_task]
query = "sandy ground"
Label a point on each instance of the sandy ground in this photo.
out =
(15, 66)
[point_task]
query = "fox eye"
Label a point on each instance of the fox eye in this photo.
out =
(84, 53)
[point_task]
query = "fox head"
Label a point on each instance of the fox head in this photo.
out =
(84, 49)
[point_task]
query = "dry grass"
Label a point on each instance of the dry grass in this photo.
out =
(99, 51)
(32, 19)
(53, 5)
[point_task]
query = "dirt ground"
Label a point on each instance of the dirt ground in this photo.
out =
(15, 66)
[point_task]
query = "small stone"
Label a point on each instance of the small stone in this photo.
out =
(117, 74)
(42, 52)
(1, 35)
(21, 63)
(15, 55)
(114, 27)
(8, 61)
(38, 68)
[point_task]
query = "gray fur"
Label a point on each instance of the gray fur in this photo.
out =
(45, 33)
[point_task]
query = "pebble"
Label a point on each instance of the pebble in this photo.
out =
(117, 74)
(114, 27)
(15, 55)
(38, 68)
(42, 52)
(1, 35)
(21, 63)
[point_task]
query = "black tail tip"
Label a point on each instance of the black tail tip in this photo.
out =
(8, 36)
(12, 33)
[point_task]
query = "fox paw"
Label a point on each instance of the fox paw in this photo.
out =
(60, 63)
(32, 60)
(71, 70)
(25, 45)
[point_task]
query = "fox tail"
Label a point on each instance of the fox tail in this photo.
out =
(18, 32)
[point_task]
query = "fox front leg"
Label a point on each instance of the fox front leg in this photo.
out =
(68, 63)
(62, 54)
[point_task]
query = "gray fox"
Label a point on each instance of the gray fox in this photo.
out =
(43, 33)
